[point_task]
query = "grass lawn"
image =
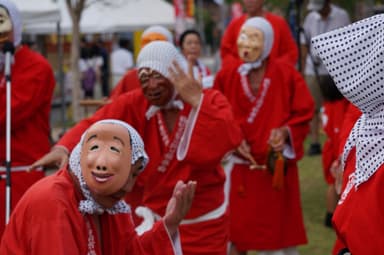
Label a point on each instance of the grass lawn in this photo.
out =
(320, 238)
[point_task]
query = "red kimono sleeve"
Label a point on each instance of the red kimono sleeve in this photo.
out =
(157, 240)
(216, 124)
(302, 111)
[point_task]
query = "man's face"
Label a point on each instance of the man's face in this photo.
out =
(156, 88)
(5, 26)
(106, 163)
(250, 44)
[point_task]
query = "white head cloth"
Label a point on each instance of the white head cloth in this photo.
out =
(158, 56)
(263, 25)
(354, 57)
(89, 205)
(16, 20)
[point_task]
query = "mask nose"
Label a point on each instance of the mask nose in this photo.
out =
(101, 168)
(101, 163)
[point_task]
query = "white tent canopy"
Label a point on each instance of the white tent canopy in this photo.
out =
(38, 11)
(111, 16)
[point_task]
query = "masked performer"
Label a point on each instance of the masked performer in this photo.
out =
(83, 203)
(130, 79)
(187, 132)
(284, 45)
(353, 55)
(32, 84)
(273, 106)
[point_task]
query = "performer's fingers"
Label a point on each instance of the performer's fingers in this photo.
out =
(177, 67)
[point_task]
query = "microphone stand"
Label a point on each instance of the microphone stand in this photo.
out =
(8, 49)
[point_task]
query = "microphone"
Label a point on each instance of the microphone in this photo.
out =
(8, 50)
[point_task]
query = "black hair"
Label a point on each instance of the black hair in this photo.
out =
(124, 43)
(188, 32)
(329, 90)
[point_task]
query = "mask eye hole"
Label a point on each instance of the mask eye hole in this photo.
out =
(94, 147)
(115, 149)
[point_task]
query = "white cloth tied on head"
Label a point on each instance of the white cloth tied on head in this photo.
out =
(15, 16)
(354, 57)
(89, 205)
(263, 25)
(158, 56)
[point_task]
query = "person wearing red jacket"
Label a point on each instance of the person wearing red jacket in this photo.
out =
(32, 85)
(84, 202)
(130, 79)
(353, 55)
(187, 132)
(284, 45)
(273, 107)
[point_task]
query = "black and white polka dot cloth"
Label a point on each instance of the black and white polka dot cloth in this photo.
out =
(89, 205)
(354, 57)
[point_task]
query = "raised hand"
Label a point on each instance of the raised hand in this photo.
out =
(179, 205)
(278, 138)
(185, 84)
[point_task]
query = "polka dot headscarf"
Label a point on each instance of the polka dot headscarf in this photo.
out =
(354, 57)
(89, 205)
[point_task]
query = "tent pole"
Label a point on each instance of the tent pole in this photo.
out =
(61, 77)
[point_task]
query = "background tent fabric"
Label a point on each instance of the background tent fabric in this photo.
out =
(111, 16)
(38, 11)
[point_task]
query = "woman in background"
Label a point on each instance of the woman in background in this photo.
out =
(190, 44)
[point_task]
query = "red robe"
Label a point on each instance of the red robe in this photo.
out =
(213, 135)
(284, 45)
(332, 116)
(47, 221)
(359, 216)
(32, 87)
(130, 81)
(261, 217)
